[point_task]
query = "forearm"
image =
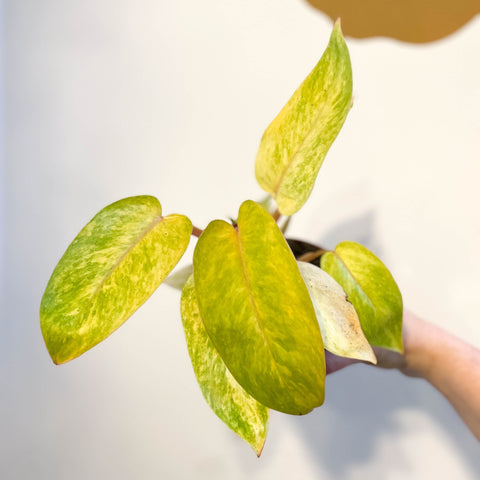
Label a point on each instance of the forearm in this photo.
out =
(449, 364)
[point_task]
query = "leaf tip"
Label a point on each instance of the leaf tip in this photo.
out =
(337, 28)
(58, 358)
(397, 347)
(371, 357)
(259, 449)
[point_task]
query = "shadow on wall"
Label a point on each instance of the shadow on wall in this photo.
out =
(415, 21)
(360, 229)
(362, 409)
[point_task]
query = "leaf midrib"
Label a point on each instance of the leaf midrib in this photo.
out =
(297, 149)
(254, 305)
(356, 283)
(156, 221)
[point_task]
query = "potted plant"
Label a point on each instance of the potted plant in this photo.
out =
(258, 309)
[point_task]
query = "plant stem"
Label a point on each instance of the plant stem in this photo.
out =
(196, 232)
(309, 256)
(284, 227)
(276, 215)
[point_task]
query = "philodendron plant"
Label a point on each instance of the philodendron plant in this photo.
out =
(258, 309)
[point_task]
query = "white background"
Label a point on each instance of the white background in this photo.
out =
(105, 100)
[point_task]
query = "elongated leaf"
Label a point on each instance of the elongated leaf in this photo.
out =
(230, 402)
(294, 145)
(372, 290)
(257, 311)
(338, 320)
(114, 264)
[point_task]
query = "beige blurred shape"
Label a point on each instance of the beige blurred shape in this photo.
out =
(415, 21)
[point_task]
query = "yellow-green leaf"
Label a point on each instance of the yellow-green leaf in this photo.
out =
(114, 264)
(258, 313)
(294, 145)
(371, 289)
(230, 402)
(338, 320)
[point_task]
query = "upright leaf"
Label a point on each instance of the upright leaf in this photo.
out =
(372, 290)
(257, 311)
(114, 264)
(294, 145)
(230, 402)
(338, 320)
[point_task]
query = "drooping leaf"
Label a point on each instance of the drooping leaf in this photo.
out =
(294, 145)
(114, 264)
(257, 311)
(372, 290)
(230, 402)
(338, 320)
(179, 277)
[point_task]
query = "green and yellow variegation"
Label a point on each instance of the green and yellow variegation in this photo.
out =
(230, 402)
(371, 289)
(294, 145)
(258, 313)
(114, 264)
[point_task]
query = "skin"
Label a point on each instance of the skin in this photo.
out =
(446, 362)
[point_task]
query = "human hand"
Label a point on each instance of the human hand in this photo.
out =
(449, 364)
